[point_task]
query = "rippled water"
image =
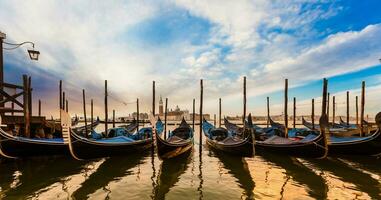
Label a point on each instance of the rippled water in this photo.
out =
(205, 175)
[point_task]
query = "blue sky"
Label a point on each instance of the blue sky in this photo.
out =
(177, 42)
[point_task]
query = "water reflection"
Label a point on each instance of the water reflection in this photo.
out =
(112, 169)
(238, 167)
(170, 172)
(354, 181)
(199, 188)
(38, 173)
(300, 173)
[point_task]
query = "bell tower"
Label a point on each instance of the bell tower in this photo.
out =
(161, 109)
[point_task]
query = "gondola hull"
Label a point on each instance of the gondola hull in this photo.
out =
(245, 149)
(168, 150)
(83, 148)
(315, 148)
(368, 146)
(15, 147)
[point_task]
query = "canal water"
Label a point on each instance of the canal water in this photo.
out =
(202, 174)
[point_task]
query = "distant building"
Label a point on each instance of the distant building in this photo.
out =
(173, 115)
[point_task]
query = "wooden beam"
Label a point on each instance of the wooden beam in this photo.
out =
(63, 101)
(362, 108)
(11, 98)
(201, 103)
(194, 111)
(30, 96)
(219, 113)
(26, 106)
(294, 113)
(324, 100)
(84, 111)
(12, 86)
(165, 118)
(67, 106)
(285, 108)
(244, 100)
(106, 108)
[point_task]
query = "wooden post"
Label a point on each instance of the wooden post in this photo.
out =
(13, 107)
(63, 100)
(285, 108)
(357, 110)
(324, 98)
(84, 110)
(201, 116)
(194, 110)
(215, 120)
(294, 113)
(219, 113)
(137, 114)
(165, 118)
(113, 118)
(328, 107)
(60, 90)
(347, 108)
(268, 112)
(30, 96)
(1, 70)
(244, 100)
(333, 109)
(26, 106)
(362, 109)
(153, 98)
(67, 106)
(39, 108)
(313, 114)
(106, 109)
(91, 115)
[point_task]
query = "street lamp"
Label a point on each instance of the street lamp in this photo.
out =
(33, 54)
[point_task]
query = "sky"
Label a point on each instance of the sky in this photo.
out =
(178, 42)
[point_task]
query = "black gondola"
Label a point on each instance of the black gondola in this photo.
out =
(310, 146)
(131, 127)
(86, 148)
(178, 142)
(220, 139)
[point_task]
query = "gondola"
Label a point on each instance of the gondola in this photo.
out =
(88, 148)
(17, 146)
(221, 140)
(178, 142)
(369, 145)
(311, 146)
(131, 127)
(82, 129)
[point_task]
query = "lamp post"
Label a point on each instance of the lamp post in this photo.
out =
(33, 55)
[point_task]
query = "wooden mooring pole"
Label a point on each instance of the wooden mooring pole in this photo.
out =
(285, 108)
(333, 109)
(153, 99)
(30, 96)
(313, 114)
(268, 112)
(26, 106)
(39, 108)
(362, 109)
(219, 113)
(201, 116)
(137, 113)
(357, 110)
(347, 108)
(194, 110)
(324, 100)
(91, 114)
(328, 106)
(67, 106)
(244, 100)
(294, 114)
(60, 90)
(113, 118)
(106, 109)
(63, 100)
(84, 110)
(165, 118)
